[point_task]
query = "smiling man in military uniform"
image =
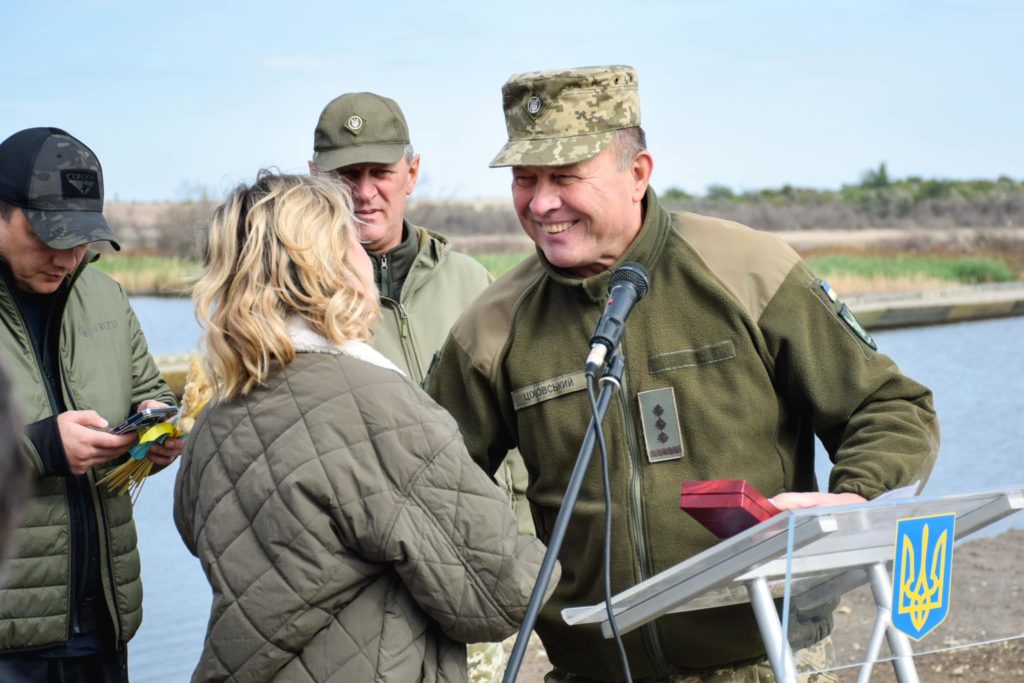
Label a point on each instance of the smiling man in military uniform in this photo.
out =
(738, 354)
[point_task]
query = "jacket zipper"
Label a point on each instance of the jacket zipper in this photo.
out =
(408, 344)
(636, 517)
(409, 288)
(385, 277)
(405, 338)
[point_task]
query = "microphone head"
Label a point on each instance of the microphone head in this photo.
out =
(634, 273)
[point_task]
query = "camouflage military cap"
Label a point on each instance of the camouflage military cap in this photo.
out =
(359, 128)
(58, 182)
(561, 117)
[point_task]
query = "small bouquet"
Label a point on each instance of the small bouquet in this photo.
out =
(130, 475)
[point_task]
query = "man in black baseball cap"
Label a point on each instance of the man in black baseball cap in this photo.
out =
(57, 181)
(56, 184)
(72, 596)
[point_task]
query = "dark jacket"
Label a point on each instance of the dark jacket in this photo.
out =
(105, 366)
(346, 533)
(756, 361)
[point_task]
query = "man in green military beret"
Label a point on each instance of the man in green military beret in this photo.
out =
(735, 361)
(362, 139)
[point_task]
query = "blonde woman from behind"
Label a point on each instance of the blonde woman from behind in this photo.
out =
(345, 532)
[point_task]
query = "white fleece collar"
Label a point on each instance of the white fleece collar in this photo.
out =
(307, 340)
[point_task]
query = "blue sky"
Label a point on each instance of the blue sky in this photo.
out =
(184, 95)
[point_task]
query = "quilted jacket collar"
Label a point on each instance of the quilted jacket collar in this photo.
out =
(307, 340)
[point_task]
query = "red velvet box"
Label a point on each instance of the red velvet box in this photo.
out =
(725, 506)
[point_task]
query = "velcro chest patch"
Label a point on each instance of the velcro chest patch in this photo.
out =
(549, 389)
(662, 436)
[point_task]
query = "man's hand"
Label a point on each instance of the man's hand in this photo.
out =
(792, 500)
(84, 446)
(162, 454)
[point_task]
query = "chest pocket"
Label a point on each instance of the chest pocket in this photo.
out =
(692, 358)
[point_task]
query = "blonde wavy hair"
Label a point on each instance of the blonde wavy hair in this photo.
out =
(274, 249)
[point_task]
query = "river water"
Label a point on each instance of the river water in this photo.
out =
(976, 371)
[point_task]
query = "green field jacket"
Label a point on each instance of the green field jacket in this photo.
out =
(106, 367)
(439, 286)
(753, 360)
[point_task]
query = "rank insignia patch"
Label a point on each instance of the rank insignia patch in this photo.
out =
(922, 572)
(660, 419)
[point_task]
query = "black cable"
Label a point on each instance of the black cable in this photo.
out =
(607, 532)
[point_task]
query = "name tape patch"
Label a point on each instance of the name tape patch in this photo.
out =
(548, 389)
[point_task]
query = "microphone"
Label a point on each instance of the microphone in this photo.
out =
(629, 285)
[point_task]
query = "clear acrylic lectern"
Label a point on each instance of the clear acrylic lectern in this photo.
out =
(845, 560)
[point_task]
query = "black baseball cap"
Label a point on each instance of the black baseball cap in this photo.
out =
(58, 182)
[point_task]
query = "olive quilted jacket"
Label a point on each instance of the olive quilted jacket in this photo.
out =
(345, 531)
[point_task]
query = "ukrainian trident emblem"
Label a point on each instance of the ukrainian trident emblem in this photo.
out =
(921, 573)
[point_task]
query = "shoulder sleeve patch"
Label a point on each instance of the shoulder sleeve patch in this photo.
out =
(846, 315)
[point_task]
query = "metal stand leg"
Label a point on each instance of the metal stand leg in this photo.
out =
(874, 645)
(776, 643)
(903, 662)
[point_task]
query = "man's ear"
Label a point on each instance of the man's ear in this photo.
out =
(641, 170)
(414, 174)
(312, 169)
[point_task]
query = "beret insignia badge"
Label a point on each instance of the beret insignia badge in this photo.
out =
(534, 105)
(354, 123)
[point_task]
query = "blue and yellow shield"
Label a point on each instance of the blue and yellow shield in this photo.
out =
(921, 572)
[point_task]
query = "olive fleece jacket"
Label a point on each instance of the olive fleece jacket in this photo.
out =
(753, 358)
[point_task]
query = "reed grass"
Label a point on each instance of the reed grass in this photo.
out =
(850, 273)
(903, 272)
(150, 275)
(498, 264)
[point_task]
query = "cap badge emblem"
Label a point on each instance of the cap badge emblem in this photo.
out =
(354, 123)
(80, 183)
(534, 105)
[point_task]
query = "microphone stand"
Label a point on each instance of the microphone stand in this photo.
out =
(610, 381)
